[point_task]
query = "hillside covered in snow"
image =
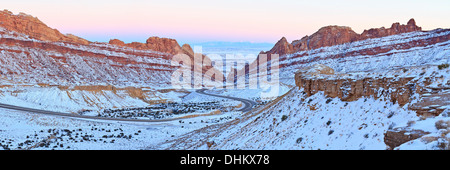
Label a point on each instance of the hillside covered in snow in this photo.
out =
(389, 91)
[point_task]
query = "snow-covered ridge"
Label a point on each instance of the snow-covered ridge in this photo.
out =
(300, 122)
(378, 42)
(30, 61)
(411, 49)
(98, 48)
(378, 54)
(385, 42)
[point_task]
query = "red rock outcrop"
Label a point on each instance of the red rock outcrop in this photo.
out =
(79, 61)
(62, 64)
(171, 46)
(410, 43)
(281, 47)
(137, 45)
(33, 27)
(187, 49)
(396, 28)
(326, 36)
(347, 89)
(335, 35)
(166, 45)
(396, 89)
(116, 42)
(36, 29)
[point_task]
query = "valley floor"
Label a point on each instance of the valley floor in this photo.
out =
(292, 121)
(22, 130)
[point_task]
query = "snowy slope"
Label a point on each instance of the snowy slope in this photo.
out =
(300, 122)
(29, 131)
(70, 101)
(438, 137)
(377, 54)
(30, 61)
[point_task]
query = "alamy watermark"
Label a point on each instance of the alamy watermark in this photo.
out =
(199, 72)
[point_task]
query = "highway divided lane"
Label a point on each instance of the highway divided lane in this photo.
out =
(248, 105)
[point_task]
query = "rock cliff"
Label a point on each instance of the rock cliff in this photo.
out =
(31, 52)
(396, 28)
(335, 35)
(349, 89)
(166, 45)
(326, 36)
(36, 29)
(396, 89)
(33, 27)
(281, 47)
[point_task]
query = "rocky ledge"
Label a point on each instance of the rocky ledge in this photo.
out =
(396, 89)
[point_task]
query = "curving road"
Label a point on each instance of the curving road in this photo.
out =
(248, 104)
(70, 115)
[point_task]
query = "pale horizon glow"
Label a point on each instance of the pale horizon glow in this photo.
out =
(232, 20)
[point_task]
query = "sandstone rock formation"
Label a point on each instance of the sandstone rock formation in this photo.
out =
(281, 47)
(326, 36)
(36, 29)
(33, 27)
(164, 45)
(335, 35)
(187, 49)
(116, 42)
(349, 89)
(396, 28)
(321, 78)
(31, 54)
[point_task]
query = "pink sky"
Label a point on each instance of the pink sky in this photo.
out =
(231, 20)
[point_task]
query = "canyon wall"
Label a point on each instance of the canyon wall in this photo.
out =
(348, 89)
(33, 27)
(33, 53)
(400, 90)
(335, 35)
